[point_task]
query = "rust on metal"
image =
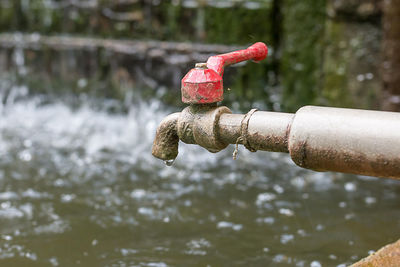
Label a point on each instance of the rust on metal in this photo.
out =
(298, 152)
(388, 256)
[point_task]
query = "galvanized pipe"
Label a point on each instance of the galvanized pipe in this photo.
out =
(266, 131)
(324, 139)
(346, 140)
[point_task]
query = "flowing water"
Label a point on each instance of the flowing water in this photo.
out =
(79, 187)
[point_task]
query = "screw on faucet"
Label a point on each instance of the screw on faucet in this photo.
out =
(202, 66)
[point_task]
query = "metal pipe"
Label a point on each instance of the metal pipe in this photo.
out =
(229, 127)
(324, 139)
(266, 131)
(346, 140)
(318, 138)
(269, 131)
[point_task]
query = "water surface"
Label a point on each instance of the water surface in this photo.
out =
(80, 187)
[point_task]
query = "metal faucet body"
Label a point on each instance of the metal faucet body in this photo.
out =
(318, 138)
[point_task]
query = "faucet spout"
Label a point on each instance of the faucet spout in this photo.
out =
(165, 145)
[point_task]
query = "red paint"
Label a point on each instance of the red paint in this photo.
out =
(204, 85)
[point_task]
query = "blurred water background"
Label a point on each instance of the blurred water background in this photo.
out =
(78, 115)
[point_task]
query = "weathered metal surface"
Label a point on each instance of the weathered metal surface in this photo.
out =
(266, 131)
(269, 131)
(203, 85)
(388, 256)
(205, 128)
(198, 124)
(256, 52)
(318, 138)
(200, 86)
(229, 127)
(346, 140)
(165, 145)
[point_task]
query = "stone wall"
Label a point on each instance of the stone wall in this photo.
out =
(331, 53)
(322, 51)
(178, 20)
(204, 22)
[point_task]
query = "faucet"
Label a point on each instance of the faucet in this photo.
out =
(202, 88)
(318, 138)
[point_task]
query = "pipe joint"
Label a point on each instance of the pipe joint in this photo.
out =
(198, 124)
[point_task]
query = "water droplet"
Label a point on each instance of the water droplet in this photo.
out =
(169, 162)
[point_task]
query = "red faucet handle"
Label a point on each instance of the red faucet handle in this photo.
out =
(256, 52)
(203, 84)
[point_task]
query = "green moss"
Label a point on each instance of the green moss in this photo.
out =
(303, 29)
(301, 62)
(249, 85)
(171, 16)
(351, 59)
(237, 25)
(335, 66)
(6, 16)
(168, 21)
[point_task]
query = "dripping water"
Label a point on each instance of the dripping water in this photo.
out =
(169, 162)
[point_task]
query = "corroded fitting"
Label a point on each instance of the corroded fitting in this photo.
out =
(198, 124)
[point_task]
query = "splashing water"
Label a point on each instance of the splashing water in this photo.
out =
(84, 172)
